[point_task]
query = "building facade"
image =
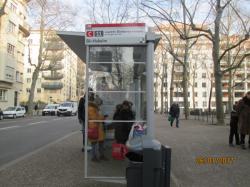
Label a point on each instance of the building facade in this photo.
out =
(200, 73)
(14, 31)
(57, 80)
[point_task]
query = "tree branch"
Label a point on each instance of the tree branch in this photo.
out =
(29, 58)
(234, 46)
(2, 12)
(238, 65)
(227, 3)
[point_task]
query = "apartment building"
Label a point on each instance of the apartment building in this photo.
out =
(14, 31)
(57, 80)
(200, 71)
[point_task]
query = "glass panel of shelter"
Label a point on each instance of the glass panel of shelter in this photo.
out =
(116, 75)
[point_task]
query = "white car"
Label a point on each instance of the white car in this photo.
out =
(14, 112)
(50, 109)
(67, 109)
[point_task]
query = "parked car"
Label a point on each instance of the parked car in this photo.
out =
(14, 112)
(50, 109)
(1, 114)
(67, 109)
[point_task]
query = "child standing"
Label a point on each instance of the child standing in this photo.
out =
(234, 127)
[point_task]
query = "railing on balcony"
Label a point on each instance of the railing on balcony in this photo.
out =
(52, 76)
(52, 56)
(53, 67)
(53, 38)
(25, 28)
(54, 46)
(52, 85)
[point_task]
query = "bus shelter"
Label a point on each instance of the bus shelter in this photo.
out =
(119, 69)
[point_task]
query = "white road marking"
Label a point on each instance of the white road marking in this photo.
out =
(34, 123)
(56, 119)
(5, 122)
(5, 128)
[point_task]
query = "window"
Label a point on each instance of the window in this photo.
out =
(188, 94)
(11, 27)
(204, 85)
(29, 70)
(204, 94)
(28, 90)
(195, 84)
(12, 7)
(213, 104)
(178, 94)
(9, 73)
(204, 75)
(11, 49)
(165, 84)
(196, 104)
(204, 103)
(39, 90)
(17, 76)
(196, 94)
(28, 80)
(3, 95)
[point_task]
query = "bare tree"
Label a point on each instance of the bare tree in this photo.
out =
(47, 15)
(161, 71)
(213, 33)
(182, 29)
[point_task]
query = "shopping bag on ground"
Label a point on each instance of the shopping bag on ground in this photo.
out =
(119, 151)
(170, 118)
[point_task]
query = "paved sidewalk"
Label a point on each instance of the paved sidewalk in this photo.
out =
(59, 164)
(62, 163)
(197, 139)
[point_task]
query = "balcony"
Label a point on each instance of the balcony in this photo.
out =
(25, 28)
(52, 56)
(53, 38)
(53, 67)
(52, 76)
(54, 46)
(52, 85)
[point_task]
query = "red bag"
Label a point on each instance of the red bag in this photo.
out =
(93, 133)
(119, 151)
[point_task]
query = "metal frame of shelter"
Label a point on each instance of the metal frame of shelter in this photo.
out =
(76, 42)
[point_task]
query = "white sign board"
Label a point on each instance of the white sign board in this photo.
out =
(115, 34)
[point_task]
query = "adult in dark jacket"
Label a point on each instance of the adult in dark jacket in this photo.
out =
(243, 110)
(234, 127)
(81, 113)
(175, 113)
(122, 129)
(81, 118)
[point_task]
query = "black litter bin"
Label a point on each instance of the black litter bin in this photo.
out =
(151, 169)
(134, 174)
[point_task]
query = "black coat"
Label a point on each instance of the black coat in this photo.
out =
(81, 110)
(234, 119)
(174, 111)
(122, 130)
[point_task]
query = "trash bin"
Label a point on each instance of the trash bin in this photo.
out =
(152, 171)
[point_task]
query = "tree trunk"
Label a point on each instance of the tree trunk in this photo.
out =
(229, 82)
(185, 80)
(172, 84)
(217, 67)
(193, 93)
(210, 95)
(35, 74)
(155, 87)
(162, 86)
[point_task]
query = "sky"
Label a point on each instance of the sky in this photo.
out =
(83, 15)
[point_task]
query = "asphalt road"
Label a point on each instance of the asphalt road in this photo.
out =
(22, 136)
